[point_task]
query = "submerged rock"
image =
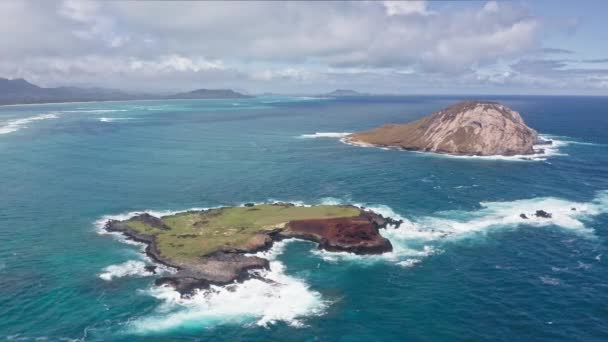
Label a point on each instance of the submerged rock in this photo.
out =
(523, 216)
(466, 128)
(150, 269)
(542, 214)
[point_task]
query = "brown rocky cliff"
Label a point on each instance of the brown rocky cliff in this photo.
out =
(466, 128)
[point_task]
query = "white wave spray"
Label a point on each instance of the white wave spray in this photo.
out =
(17, 124)
(324, 135)
(128, 268)
(544, 151)
(113, 119)
(420, 237)
(272, 297)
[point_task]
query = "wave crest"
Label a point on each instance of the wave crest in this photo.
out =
(420, 237)
(128, 268)
(113, 119)
(325, 135)
(11, 126)
(271, 297)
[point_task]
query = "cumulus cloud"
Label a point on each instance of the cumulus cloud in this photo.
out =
(405, 7)
(266, 45)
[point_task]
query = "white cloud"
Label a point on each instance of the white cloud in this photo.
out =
(82, 11)
(175, 62)
(405, 7)
(388, 45)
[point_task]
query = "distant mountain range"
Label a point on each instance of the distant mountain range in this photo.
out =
(20, 91)
(343, 92)
(209, 94)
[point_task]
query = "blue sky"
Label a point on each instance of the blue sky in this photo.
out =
(406, 47)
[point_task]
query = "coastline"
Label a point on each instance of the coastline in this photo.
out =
(226, 266)
(541, 152)
(113, 101)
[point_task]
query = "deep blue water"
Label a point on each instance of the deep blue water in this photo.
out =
(465, 266)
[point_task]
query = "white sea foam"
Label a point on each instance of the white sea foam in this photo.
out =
(113, 119)
(133, 268)
(17, 124)
(271, 297)
(324, 135)
(549, 280)
(420, 237)
(544, 151)
(95, 111)
(409, 262)
(274, 297)
(126, 269)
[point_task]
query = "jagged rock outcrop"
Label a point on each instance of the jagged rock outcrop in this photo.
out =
(466, 128)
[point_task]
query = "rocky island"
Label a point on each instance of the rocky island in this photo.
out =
(209, 94)
(479, 128)
(214, 246)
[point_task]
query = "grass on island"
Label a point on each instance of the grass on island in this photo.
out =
(194, 234)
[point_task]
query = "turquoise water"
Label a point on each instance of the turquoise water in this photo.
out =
(465, 267)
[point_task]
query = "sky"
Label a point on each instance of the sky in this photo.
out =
(396, 47)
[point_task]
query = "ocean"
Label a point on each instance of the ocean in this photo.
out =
(465, 267)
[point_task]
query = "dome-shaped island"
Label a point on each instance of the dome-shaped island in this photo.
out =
(476, 128)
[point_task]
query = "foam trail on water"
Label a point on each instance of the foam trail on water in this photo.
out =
(273, 297)
(17, 124)
(324, 135)
(97, 111)
(128, 268)
(113, 119)
(419, 237)
(543, 151)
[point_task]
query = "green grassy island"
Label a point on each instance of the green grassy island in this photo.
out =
(211, 246)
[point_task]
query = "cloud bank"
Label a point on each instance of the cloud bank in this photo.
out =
(390, 46)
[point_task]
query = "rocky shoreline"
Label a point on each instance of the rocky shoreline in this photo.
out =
(357, 234)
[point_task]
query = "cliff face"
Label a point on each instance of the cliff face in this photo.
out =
(465, 128)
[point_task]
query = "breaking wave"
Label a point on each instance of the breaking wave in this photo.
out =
(420, 237)
(95, 111)
(17, 124)
(544, 151)
(274, 296)
(113, 119)
(261, 301)
(325, 135)
(127, 268)
(133, 268)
